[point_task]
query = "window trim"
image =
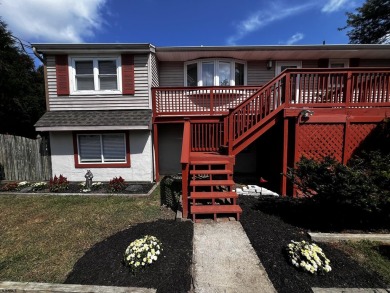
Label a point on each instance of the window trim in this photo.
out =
(216, 62)
(72, 74)
(279, 64)
(78, 163)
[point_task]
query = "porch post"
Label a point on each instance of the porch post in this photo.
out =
(285, 154)
(156, 154)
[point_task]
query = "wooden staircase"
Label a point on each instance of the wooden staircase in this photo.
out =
(211, 185)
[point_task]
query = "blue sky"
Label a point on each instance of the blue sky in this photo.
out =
(179, 22)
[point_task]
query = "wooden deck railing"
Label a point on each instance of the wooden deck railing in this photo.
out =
(198, 100)
(247, 108)
(339, 88)
(357, 87)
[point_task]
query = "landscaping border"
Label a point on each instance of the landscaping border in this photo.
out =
(30, 287)
(334, 237)
(82, 193)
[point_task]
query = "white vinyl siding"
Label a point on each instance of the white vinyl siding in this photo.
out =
(171, 74)
(258, 74)
(102, 148)
(140, 100)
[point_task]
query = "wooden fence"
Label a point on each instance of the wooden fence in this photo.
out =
(24, 159)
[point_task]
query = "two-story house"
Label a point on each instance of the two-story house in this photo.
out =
(99, 109)
(139, 111)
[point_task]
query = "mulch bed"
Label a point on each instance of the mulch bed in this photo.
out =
(102, 264)
(132, 188)
(269, 235)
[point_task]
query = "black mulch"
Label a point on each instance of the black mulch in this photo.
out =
(269, 235)
(102, 264)
(131, 188)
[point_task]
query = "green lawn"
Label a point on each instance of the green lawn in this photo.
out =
(43, 236)
(368, 254)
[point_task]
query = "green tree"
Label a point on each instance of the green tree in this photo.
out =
(22, 91)
(370, 24)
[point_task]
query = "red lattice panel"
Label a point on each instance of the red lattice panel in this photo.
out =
(357, 134)
(318, 140)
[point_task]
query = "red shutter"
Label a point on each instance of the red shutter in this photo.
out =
(128, 74)
(62, 73)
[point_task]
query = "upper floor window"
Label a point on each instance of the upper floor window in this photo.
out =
(95, 75)
(215, 72)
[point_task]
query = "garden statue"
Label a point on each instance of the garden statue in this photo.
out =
(88, 179)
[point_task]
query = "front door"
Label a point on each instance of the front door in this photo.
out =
(283, 65)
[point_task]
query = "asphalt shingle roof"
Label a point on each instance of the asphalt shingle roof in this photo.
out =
(95, 118)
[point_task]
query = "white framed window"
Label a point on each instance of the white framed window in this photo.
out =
(104, 149)
(95, 75)
(215, 72)
(338, 63)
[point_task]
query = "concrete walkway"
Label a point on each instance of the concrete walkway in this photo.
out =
(225, 261)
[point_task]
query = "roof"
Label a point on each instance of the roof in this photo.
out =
(280, 52)
(94, 120)
(56, 48)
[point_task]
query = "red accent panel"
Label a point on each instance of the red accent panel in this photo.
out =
(77, 164)
(62, 74)
(128, 74)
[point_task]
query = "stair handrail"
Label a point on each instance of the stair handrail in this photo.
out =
(278, 102)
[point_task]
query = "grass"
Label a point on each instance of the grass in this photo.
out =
(43, 236)
(369, 255)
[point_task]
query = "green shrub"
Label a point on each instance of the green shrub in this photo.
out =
(170, 191)
(58, 184)
(361, 187)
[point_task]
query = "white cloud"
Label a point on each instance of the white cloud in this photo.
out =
(263, 18)
(334, 5)
(53, 20)
(295, 38)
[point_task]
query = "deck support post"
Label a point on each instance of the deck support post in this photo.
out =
(156, 154)
(285, 154)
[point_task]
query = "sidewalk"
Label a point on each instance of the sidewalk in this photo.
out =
(225, 262)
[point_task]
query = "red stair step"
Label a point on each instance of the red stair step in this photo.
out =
(212, 183)
(199, 162)
(211, 172)
(211, 195)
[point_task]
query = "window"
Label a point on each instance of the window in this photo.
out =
(215, 72)
(95, 75)
(102, 150)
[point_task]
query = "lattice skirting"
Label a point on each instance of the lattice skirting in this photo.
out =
(340, 140)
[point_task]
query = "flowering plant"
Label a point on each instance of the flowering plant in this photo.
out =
(57, 184)
(142, 252)
(116, 184)
(308, 256)
(23, 184)
(94, 186)
(38, 186)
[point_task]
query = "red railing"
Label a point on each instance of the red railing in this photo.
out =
(206, 136)
(198, 100)
(341, 88)
(358, 87)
